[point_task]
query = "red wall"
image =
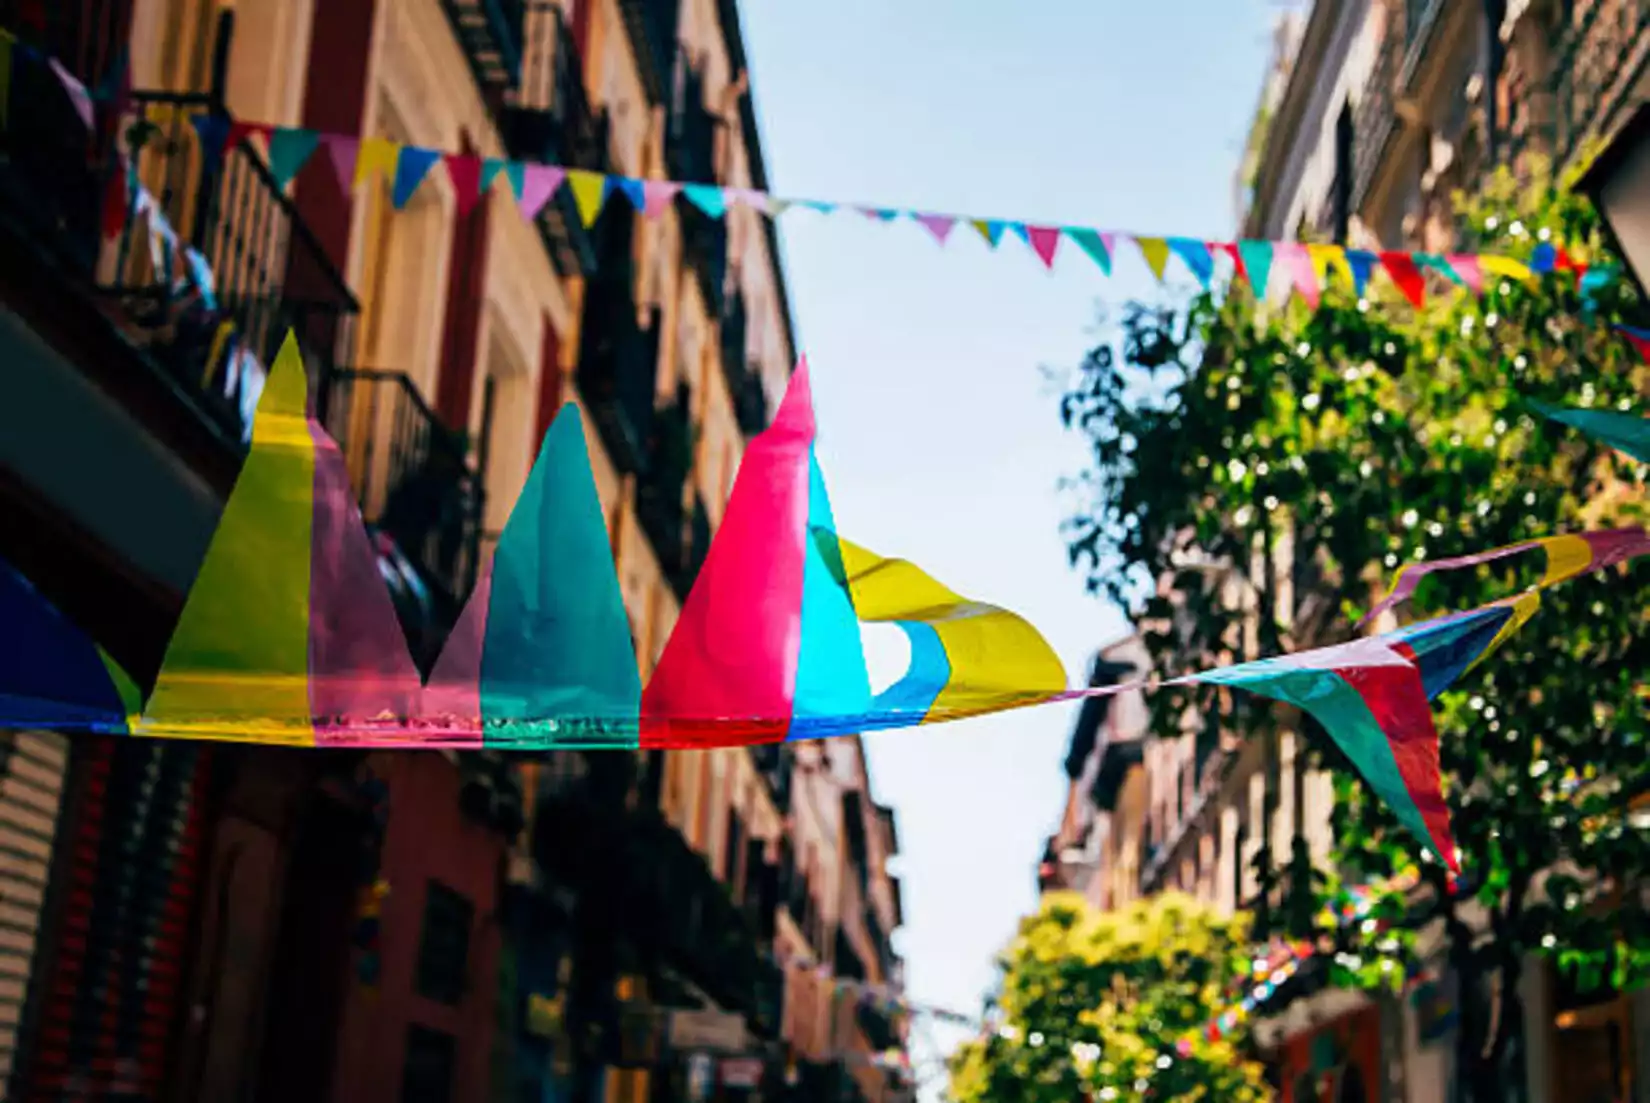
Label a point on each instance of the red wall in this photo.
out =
(426, 837)
(1358, 1034)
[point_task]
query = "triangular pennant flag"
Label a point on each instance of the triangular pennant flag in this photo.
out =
(1096, 244)
(1638, 338)
(1505, 267)
(633, 190)
(831, 678)
(51, 674)
(213, 130)
(1195, 256)
(1044, 241)
(1466, 269)
(342, 151)
(1361, 263)
(991, 230)
(376, 155)
(879, 214)
(465, 173)
(289, 149)
(747, 197)
(733, 653)
(1436, 263)
(1406, 276)
(494, 167)
(77, 93)
(1156, 252)
(411, 167)
(1543, 258)
(939, 225)
(819, 205)
(1629, 433)
(545, 652)
(1303, 277)
(240, 131)
(658, 195)
(778, 206)
(1327, 259)
(708, 198)
(589, 192)
(538, 184)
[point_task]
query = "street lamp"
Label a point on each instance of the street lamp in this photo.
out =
(1618, 183)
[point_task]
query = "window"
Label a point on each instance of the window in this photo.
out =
(444, 950)
(427, 1072)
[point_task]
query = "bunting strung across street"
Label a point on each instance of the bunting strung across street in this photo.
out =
(1286, 267)
(288, 635)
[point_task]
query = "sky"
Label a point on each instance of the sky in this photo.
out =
(939, 433)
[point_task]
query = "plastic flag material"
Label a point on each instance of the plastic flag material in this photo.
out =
(1627, 433)
(51, 674)
(288, 634)
(542, 655)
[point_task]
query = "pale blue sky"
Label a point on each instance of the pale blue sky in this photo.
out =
(939, 436)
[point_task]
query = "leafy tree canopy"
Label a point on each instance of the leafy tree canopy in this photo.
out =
(1346, 441)
(1096, 1003)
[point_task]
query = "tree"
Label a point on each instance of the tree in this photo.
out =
(1113, 1006)
(1356, 437)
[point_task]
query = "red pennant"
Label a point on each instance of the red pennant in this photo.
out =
(1045, 240)
(1231, 250)
(1401, 267)
(465, 173)
(239, 130)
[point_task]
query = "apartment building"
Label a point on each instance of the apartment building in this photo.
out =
(409, 926)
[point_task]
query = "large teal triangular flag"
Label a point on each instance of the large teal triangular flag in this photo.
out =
(289, 149)
(831, 679)
(557, 660)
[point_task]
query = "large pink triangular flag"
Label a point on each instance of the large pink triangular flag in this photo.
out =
(538, 185)
(1045, 241)
(658, 195)
(940, 225)
(342, 152)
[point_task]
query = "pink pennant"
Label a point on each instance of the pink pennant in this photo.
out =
(940, 225)
(465, 173)
(1298, 262)
(1466, 266)
(342, 151)
(658, 195)
(1045, 241)
(81, 98)
(747, 197)
(453, 696)
(538, 185)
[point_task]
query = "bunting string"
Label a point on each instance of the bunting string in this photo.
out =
(1270, 267)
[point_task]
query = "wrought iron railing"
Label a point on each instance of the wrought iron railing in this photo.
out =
(415, 479)
(552, 121)
(661, 484)
(618, 356)
(490, 34)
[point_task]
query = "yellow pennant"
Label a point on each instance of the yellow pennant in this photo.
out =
(376, 155)
(589, 189)
(1156, 252)
(1504, 266)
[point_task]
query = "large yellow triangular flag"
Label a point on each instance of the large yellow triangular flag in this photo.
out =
(376, 154)
(589, 189)
(1156, 252)
(1326, 258)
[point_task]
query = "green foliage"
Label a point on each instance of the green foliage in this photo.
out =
(1365, 435)
(1096, 1002)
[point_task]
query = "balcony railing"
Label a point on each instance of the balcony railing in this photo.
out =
(690, 137)
(553, 122)
(660, 486)
(417, 486)
(618, 357)
(698, 547)
(651, 25)
(1599, 56)
(87, 37)
(490, 33)
(705, 251)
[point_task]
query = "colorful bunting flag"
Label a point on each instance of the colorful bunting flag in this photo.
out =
(707, 197)
(1156, 252)
(494, 167)
(213, 132)
(343, 152)
(1044, 241)
(658, 195)
(1629, 433)
(589, 192)
(988, 229)
(1406, 275)
(1360, 263)
(51, 674)
(1257, 261)
(634, 190)
(465, 173)
(411, 167)
(289, 150)
(1303, 277)
(1195, 256)
(538, 185)
(1097, 245)
(1638, 338)
(939, 225)
(377, 155)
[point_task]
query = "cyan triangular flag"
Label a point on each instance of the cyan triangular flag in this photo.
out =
(831, 679)
(707, 197)
(1195, 256)
(410, 169)
(1257, 261)
(289, 149)
(557, 656)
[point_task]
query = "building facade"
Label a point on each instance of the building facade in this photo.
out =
(216, 923)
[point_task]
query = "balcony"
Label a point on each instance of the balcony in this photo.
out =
(552, 121)
(419, 491)
(690, 138)
(490, 34)
(773, 763)
(618, 356)
(1600, 54)
(651, 25)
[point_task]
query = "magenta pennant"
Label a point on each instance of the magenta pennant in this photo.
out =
(940, 225)
(342, 152)
(538, 185)
(1044, 241)
(465, 173)
(657, 196)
